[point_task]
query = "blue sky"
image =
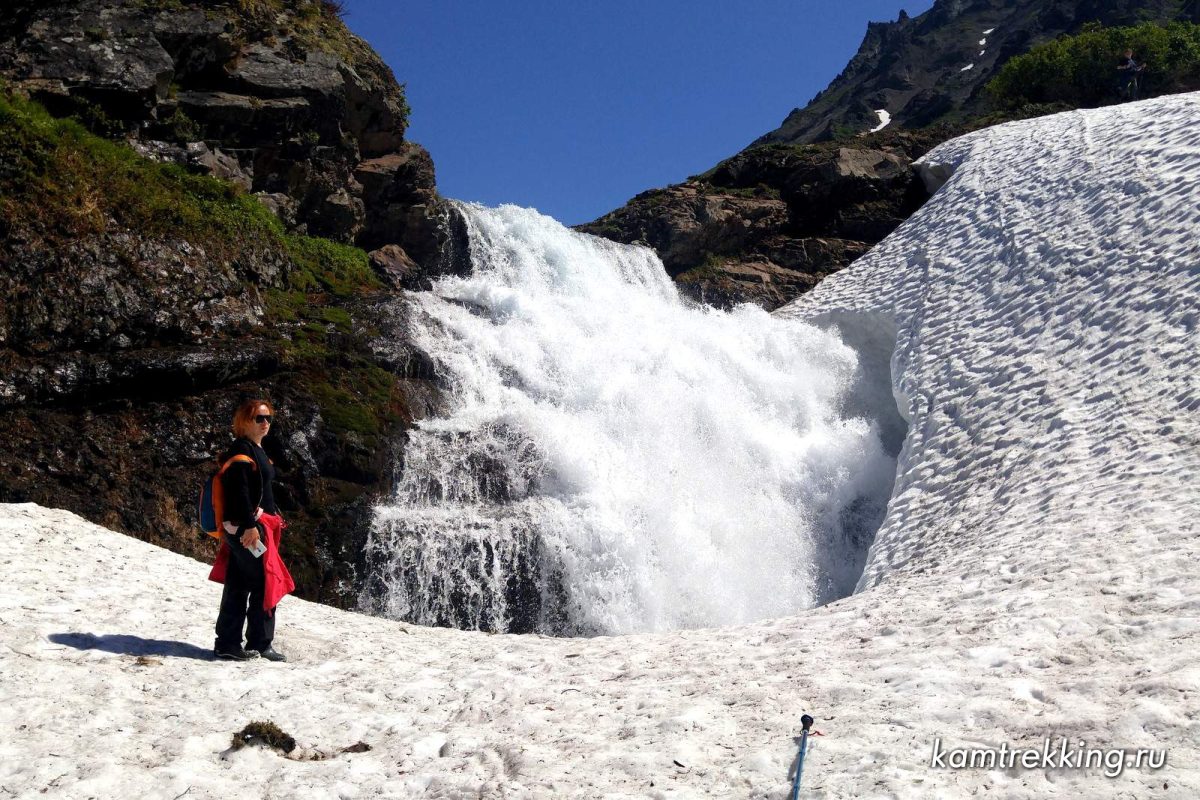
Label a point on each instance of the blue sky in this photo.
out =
(574, 107)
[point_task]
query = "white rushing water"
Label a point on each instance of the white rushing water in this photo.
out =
(616, 459)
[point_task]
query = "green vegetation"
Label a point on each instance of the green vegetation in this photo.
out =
(322, 265)
(94, 118)
(182, 128)
(708, 269)
(59, 182)
(845, 133)
(316, 24)
(1080, 71)
(362, 402)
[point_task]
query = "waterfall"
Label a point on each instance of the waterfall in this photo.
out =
(614, 458)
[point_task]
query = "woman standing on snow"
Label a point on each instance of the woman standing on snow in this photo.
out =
(248, 562)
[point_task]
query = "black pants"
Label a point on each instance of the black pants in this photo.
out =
(245, 583)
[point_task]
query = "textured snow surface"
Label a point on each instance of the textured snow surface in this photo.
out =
(1036, 575)
(884, 118)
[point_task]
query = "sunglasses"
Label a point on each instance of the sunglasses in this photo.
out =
(261, 418)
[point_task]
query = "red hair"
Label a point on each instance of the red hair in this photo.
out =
(243, 418)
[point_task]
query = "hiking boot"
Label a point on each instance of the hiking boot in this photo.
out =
(235, 653)
(271, 654)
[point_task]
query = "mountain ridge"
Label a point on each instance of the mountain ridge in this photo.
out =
(933, 67)
(743, 231)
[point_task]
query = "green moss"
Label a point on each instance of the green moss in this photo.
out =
(61, 181)
(338, 317)
(285, 306)
(345, 411)
(360, 398)
(182, 128)
(322, 265)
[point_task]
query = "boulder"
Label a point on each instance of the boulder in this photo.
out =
(868, 164)
(392, 264)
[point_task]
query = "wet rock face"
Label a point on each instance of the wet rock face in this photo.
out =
(124, 430)
(285, 103)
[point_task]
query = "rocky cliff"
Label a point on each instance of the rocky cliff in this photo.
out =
(274, 95)
(158, 263)
(766, 225)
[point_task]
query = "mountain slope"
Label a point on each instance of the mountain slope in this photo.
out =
(932, 67)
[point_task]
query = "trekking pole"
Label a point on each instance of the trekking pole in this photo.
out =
(805, 723)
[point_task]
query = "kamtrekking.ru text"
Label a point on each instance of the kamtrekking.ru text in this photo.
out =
(1060, 754)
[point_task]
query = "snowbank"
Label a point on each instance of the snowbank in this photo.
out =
(1036, 574)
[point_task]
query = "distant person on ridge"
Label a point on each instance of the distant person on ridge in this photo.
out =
(248, 561)
(1130, 69)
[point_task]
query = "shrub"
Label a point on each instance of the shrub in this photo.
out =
(335, 9)
(1080, 70)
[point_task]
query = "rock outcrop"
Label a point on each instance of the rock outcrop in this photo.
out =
(275, 95)
(769, 223)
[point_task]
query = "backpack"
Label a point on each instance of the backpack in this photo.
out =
(211, 507)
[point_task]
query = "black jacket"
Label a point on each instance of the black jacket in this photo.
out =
(247, 488)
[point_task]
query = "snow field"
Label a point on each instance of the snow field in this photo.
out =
(1036, 574)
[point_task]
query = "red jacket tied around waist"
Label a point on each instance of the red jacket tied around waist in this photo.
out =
(278, 580)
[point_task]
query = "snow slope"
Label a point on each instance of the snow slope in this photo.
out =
(1036, 574)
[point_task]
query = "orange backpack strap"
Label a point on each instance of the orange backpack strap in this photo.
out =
(238, 459)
